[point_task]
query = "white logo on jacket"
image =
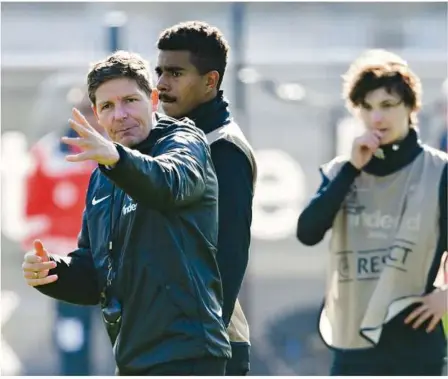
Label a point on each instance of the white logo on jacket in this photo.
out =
(129, 208)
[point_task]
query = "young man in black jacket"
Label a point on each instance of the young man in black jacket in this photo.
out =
(147, 247)
(191, 64)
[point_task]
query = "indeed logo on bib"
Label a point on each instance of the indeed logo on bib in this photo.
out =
(377, 220)
(129, 208)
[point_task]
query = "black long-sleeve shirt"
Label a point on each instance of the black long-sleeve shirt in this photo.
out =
(319, 215)
(317, 218)
(235, 187)
(235, 190)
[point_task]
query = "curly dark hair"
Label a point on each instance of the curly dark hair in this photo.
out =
(206, 43)
(121, 64)
(379, 68)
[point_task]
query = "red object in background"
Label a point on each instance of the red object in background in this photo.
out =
(56, 191)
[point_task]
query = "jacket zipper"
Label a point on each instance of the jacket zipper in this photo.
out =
(114, 228)
(110, 244)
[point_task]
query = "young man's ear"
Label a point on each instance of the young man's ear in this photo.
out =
(212, 80)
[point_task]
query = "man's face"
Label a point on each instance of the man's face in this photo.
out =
(181, 87)
(385, 112)
(123, 109)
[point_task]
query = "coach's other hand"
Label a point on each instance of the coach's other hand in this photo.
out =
(36, 266)
(93, 145)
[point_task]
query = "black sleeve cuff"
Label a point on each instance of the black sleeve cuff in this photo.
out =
(349, 171)
(120, 162)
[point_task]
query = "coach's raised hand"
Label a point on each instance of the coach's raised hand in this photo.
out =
(37, 265)
(93, 145)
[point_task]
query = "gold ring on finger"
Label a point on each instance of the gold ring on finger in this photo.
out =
(35, 275)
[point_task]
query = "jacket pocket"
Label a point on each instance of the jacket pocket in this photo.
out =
(181, 298)
(145, 311)
(182, 303)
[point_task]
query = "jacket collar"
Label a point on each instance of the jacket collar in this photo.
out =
(212, 114)
(154, 135)
(392, 157)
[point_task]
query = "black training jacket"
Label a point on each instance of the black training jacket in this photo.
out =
(157, 210)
